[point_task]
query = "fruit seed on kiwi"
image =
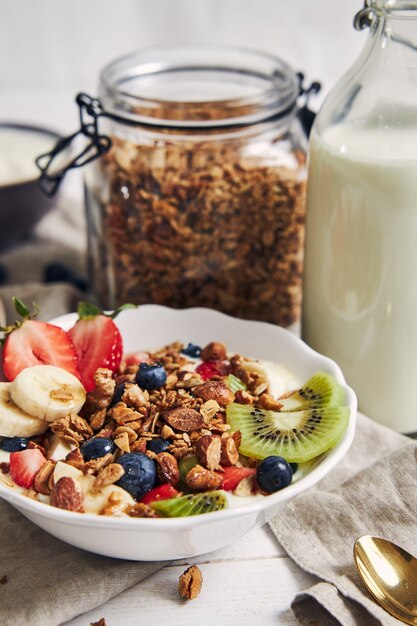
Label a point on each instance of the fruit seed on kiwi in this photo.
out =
(298, 436)
(322, 389)
(191, 504)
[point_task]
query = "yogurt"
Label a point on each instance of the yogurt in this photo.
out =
(19, 148)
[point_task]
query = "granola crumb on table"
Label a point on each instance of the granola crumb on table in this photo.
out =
(4, 579)
(190, 583)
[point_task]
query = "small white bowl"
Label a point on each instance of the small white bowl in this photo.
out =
(150, 327)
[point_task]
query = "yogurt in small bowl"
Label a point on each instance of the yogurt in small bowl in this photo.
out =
(22, 202)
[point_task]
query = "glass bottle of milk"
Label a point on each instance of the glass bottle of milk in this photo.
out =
(360, 283)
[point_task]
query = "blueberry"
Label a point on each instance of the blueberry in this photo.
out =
(14, 444)
(151, 376)
(192, 350)
(140, 474)
(158, 445)
(118, 392)
(96, 447)
(273, 474)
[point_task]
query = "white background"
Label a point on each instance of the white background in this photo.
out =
(51, 49)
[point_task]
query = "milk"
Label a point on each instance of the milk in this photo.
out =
(360, 289)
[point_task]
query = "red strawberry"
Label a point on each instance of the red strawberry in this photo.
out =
(208, 369)
(24, 466)
(31, 342)
(137, 357)
(97, 341)
(162, 492)
(233, 475)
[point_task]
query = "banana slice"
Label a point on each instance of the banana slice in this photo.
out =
(277, 378)
(94, 501)
(13, 421)
(47, 392)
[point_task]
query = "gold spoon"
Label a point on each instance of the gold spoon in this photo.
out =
(390, 575)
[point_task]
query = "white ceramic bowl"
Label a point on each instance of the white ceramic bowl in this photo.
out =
(153, 326)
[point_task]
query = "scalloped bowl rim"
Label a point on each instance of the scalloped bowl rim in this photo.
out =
(257, 506)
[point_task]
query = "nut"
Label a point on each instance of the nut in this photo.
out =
(207, 449)
(201, 479)
(215, 390)
(214, 351)
(122, 442)
(134, 397)
(66, 494)
(168, 467)
(141, 510)
(209, 409)
(229, 451)
(190, 583)
(183, 418)
(102, 394)
(123, 414)
(268, 402)
(108, 476)
(95, 465)
(75, 458)
(114, 505)
(43, 481)
(237, 436)
(243, 397)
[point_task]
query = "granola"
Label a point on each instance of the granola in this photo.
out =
(162, 442)
(201, 223)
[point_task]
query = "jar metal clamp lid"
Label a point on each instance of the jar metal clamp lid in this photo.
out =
(284, 95)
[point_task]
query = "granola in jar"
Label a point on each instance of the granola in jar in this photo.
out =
(200, 200)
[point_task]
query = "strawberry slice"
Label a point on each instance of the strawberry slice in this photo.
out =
(24, 465)
(162, 492)
(31, 342)
(233, 475)
(134, 358)
(208, 369)
(97, 341)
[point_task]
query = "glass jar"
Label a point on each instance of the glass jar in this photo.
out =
(360, 287)
(201, 199)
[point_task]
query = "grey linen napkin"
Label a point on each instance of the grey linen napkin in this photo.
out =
(48, 581)
(371, 492)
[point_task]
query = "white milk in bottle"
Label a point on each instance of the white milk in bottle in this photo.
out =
(360, 284)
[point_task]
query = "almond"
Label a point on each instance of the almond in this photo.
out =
(207, 449)
(43, 481)
(168, 467)
(183, 418)
(268, 402)
(190, 583)
(66, 494)
(201, 479)
(229, 451)
(215, 390)
(243, 397)
(214, 351)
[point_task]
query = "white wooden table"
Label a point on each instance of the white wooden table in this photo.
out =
(251, 582)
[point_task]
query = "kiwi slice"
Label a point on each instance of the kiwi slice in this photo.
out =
(322, 389)
(298, 436)
(191, 504)
(235, 384)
